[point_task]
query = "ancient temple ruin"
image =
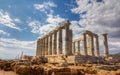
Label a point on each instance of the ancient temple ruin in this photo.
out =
(47, 45)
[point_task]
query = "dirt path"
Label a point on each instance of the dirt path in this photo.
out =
(7, 73)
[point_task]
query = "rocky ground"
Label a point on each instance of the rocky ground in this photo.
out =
(50, 69)
(2, 72)
(40, 66)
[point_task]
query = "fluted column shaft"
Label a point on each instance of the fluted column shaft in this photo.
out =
(97, 47)
(84, 45)
(60, 41)
(40, 48)
(73, 47)
(78, 43)
(51, 44)
(69, 51)
(55, 43)
(91, 45)
(68, 38)
(105, 45)
(43, 46)
(46, 46)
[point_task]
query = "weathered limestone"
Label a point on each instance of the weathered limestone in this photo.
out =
(68, 41)
(50, 51)
(60, 41)
(43, 51)
(55, 43)
(91, 45)
(105, 45)
(73, 52)
(46, 46)
(41, 47)
(69, 51)
(97, 46)
(84, 51)
(78, 43)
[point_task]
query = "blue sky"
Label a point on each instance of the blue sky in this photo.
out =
(23, 22)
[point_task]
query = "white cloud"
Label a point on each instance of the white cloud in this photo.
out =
(55, 20)
(4, 33)
(42, 29)
(101, 17)
(35, 25)
(13, 47)
(76, 29)
(45, 6)
(17, 20)
(99, 14)
(6, 20)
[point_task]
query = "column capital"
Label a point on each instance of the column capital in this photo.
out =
(105, 34)
(96, 35)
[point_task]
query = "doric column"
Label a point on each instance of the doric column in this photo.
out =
(46, 45)
(73, 48)
(60, 41)
(78, 43)
(105, 45)
(55, 43)
(68, 39)
(43, 46)
(50, 44)
(84, 51)
(69, 51)
(40, 52)
(97, 46)
(91, 45)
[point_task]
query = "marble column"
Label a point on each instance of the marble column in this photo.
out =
(40, 47)
(43, 46)
(73, 48)
(105, 45)
(84, 51)
(91, 45)
(97, 46)
(78, 43)
(50, 51)
(69, 51)
(67, 37)
(47, 45)
(60, 42)
(55, 43)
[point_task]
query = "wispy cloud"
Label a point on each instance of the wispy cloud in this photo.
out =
(14, 47)
(6, 20)
(4, 33)
(99, 15)
(45, 6)
(51, 23)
